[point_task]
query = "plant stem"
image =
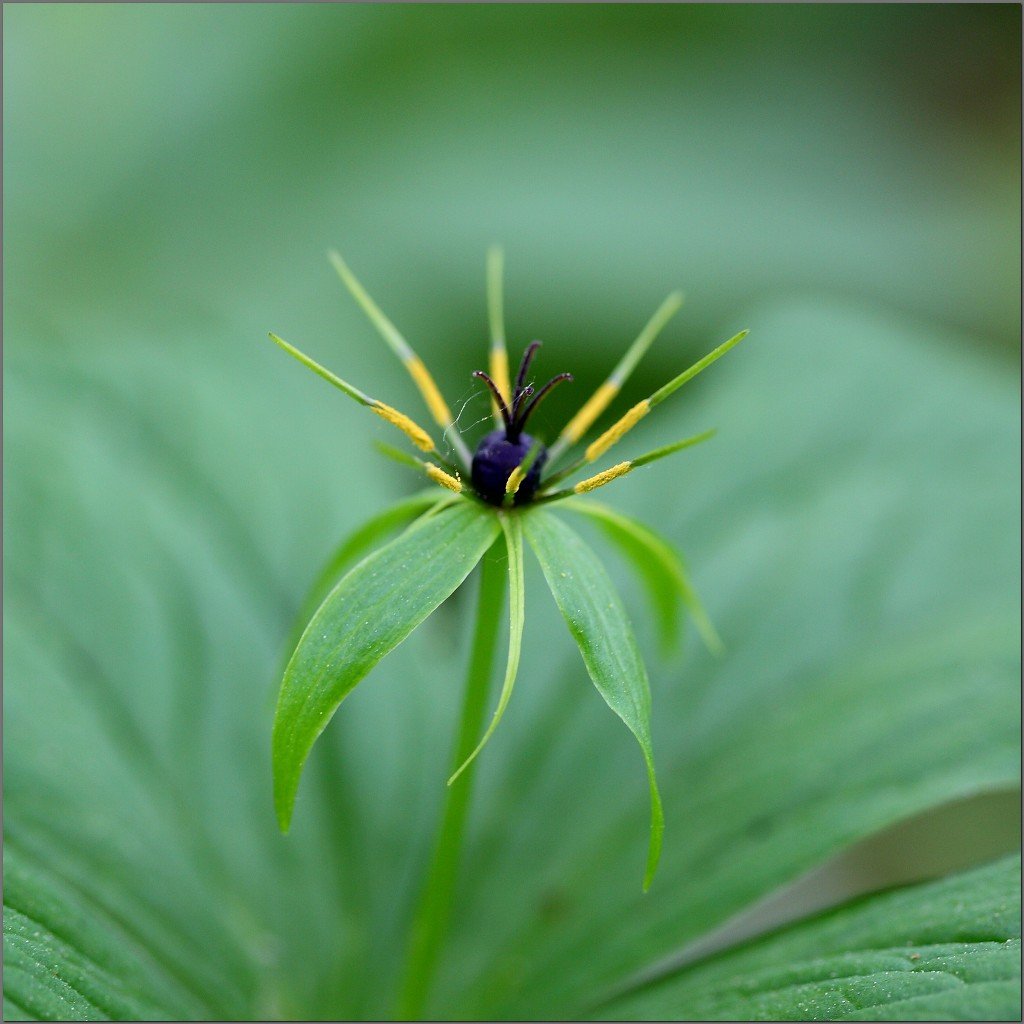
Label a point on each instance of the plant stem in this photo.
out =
(432, 914)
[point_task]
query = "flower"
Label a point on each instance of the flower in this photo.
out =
(505, 488)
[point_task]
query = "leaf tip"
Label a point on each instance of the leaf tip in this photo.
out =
(653, 859)
(284, 818)
(286, 785)
(284, 804)
(469, 760)
(657, 826)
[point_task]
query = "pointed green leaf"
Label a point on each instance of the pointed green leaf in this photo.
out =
(513, 529)
(372, 610)
(598, 623)
(946, 950)
(360, 541)
(659, 568)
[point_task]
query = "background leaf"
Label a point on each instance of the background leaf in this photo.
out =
(843, 180)
(947, 950)
(46, 922)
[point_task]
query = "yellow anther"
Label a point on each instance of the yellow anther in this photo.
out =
(618, 430)
(592, 408)
(439, 476)
(515, 478)
(499, 372)
(435, 403)
(414, 432)
(600, 479)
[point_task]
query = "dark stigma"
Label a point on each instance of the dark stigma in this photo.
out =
(502, 450)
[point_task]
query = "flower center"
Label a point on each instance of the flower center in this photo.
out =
(503, 450)
(494, 460)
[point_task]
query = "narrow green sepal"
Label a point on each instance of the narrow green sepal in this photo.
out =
(322, 371)
(670, 449)
(676, 383)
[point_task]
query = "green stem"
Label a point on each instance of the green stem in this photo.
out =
(434, 909)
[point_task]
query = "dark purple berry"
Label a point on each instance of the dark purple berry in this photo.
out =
(495, 458)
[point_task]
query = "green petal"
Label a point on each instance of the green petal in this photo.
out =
(598, 623)
(659, 569)
(513, 529)
(369, 613)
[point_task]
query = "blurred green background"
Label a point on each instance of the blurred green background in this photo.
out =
(847, 176)
(202, 157)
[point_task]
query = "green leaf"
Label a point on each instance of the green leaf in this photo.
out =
(946, 950)
(599, 625)
(370, 612)
(169, 483)
(360, 541)
(511, 525)
(659, 567)
(67, 959)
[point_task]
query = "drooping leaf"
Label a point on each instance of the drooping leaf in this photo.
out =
(598, 623)
(659, 567)
(511, 525)
(945, 950)
(370, 611)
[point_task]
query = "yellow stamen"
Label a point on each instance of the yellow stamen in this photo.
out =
(592, 408)
(414, 432)
(515, 478)
(618, 430)
(600, 479)
(499, 372)
(428, 389)
(439, 476)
